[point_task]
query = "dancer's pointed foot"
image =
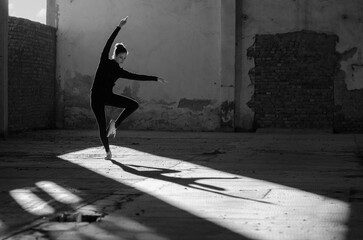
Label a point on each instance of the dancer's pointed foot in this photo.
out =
(112, 129)
(108, 155)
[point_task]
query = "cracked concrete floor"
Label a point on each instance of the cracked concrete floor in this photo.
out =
(166, 185)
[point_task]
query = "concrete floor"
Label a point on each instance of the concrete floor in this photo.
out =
(166, 185)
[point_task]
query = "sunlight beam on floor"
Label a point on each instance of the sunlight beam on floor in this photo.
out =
(58, 193)
(31, 203)
(253, 208)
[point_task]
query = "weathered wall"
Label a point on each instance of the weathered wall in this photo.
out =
(348, 111)
(31, 66)
(341, 18)
(180, 41)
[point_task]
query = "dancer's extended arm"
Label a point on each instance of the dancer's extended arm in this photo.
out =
(133, 76)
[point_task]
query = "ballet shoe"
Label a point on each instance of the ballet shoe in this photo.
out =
(108, 156)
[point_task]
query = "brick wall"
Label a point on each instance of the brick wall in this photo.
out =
(32, 54)
(294, 80)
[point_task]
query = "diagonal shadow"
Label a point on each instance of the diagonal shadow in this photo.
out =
(159, 174)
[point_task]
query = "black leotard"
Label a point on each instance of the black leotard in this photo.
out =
(109, 71)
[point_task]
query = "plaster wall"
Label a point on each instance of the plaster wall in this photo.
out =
(177, 40)
(342, 18)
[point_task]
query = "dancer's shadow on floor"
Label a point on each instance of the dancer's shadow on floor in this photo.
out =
(160, 174)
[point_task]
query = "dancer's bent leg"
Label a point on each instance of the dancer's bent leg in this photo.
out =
(98, 109)
(128, 104)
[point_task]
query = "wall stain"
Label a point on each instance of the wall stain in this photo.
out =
(156, 116)
(77, 90)
(348, 54)
(132, 92)
(353, 67)
(227, 114)
(194, 104)
(77, 111)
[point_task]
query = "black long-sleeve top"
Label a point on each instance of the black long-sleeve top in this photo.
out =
(109, 70)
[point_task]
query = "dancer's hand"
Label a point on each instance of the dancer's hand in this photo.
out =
(123, 22)
(162, 80)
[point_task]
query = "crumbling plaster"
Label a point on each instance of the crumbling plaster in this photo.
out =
(342, 18)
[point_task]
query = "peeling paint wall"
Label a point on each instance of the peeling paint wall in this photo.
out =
(341, 18)
(180, 41)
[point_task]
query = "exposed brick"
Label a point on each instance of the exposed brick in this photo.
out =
(32, 56)
(294, 79)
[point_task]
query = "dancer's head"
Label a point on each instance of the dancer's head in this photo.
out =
(120, 53)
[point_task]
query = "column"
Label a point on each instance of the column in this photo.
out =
(4, 67)
(228, 42)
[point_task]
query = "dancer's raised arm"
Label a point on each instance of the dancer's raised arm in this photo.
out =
(111, 39)
(123, 22)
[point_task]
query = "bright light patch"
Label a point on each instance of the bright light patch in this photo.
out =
(30, 202)
(58, 193)
(11, 9)
(42, 13)
(253, 208)
(34, 10)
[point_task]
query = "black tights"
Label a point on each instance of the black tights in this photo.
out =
(98, 103)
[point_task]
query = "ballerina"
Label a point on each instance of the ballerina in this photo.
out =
(108, 72)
